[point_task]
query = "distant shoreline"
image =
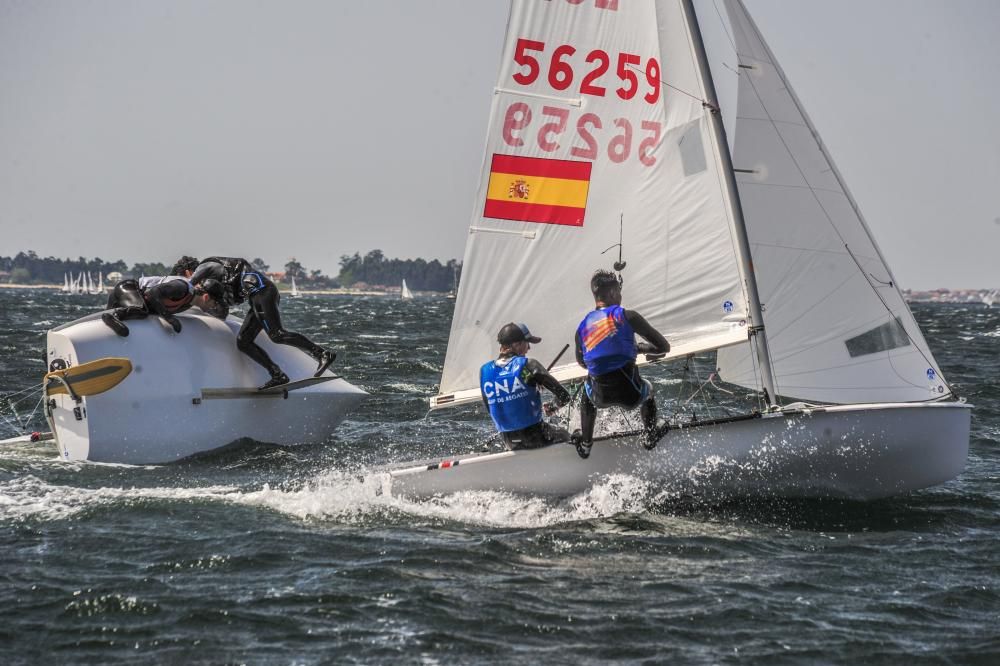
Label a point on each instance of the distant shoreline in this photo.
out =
(11, 285)
(283, 291)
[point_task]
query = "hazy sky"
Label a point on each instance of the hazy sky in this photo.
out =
(143, 129)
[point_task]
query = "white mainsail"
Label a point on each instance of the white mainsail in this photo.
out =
(837, 325)
(295, 289)
(583, 137)
(405, 292)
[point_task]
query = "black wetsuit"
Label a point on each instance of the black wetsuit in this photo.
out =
(163, 296)
(541, 434)
(242, 282)
(623, 387)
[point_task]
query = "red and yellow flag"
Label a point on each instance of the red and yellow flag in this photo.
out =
(535, 189)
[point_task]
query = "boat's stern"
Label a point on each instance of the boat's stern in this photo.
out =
(67, 417)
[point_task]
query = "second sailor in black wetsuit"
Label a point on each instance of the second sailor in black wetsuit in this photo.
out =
(241, 282)
(162, 295)
(606, 346)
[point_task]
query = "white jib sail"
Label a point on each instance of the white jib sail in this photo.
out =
(837, 325)
(582, 134)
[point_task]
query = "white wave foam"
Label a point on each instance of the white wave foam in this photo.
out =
(340, 496)
(29, 497)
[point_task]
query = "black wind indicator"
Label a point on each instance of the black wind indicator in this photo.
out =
(619, 265)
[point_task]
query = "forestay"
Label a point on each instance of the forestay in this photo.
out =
(837, 325)
(583, 132)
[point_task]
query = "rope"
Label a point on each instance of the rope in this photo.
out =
(15, 428)
(704, 103)
(27, 421)
(21, 424)
(36, 387)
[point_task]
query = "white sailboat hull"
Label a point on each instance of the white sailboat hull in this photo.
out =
(160, 414)
(857, 452)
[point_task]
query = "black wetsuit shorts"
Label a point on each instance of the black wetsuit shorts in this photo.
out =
(534, 437)
(623, 387)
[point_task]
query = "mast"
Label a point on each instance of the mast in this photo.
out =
(757, 335)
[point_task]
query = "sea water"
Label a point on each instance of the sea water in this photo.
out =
(293, 555)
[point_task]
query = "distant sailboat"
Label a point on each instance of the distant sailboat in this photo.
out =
(295, 290)
(990, 297)
(454, 283)
(66, 288)
(405, 292)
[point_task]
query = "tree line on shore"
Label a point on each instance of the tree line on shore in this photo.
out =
(372, 270)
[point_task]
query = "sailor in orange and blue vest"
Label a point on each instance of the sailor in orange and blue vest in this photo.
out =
(510, 386)
(606, 346)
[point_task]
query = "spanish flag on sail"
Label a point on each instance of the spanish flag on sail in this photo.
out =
(535, 189)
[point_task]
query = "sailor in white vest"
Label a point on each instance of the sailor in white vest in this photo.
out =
(510, 390)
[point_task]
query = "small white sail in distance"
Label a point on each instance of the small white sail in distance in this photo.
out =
(405, 292)
(295, 290)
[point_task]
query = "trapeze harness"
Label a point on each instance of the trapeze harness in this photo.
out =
(609, 352)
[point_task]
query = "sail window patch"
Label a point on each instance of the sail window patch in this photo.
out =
(888, 336)
(692, 150)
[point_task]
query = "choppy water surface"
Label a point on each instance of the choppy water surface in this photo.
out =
(267, 555)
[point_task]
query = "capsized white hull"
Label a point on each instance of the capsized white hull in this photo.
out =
(859, 452)
(159, 414)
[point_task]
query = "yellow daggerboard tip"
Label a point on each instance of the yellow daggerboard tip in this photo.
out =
(89, 378)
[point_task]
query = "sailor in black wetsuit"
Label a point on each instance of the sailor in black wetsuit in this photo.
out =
(241, 282)
(606, 346)
(185, 266)
(164, 296)
(509, 388)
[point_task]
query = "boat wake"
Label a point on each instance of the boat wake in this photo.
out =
(339, 497)
(344, 497)
(31, 498)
